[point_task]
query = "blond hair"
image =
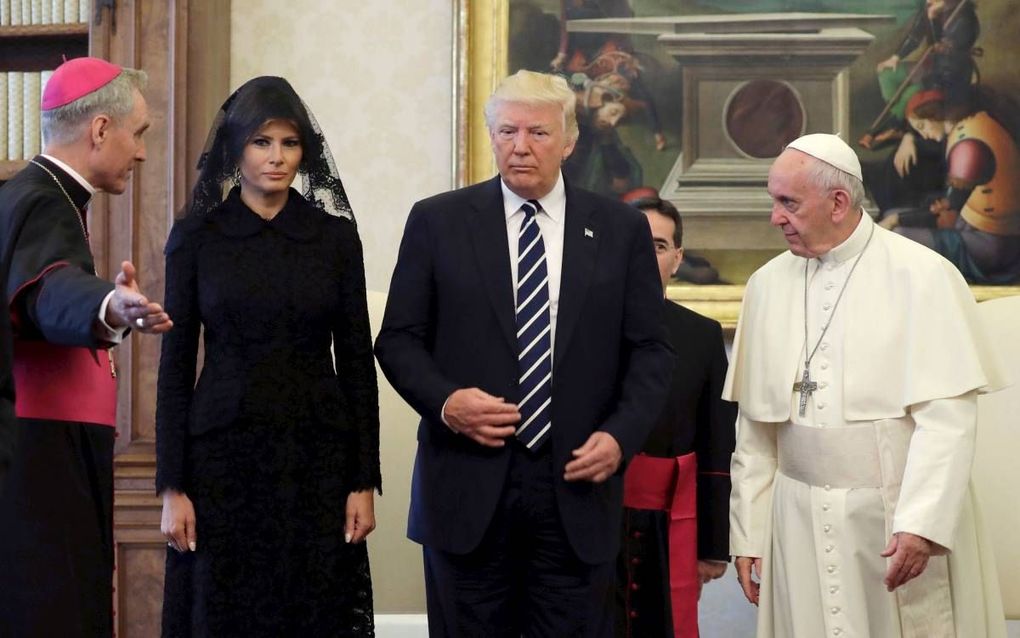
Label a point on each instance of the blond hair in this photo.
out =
(535, 89)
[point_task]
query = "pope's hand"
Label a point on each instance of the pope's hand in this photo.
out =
(752, 588)
(908, 557)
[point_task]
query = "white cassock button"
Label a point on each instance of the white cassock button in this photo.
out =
(821, 405)
(830, 286)
(837, 631)
(834, 611)
(829, 548)
(823, 384)
(825, 507)
(830, 568)
(827, 528)
(825, 344)
(834, 589)
(826, 306)
(824, 366)
(827, 487)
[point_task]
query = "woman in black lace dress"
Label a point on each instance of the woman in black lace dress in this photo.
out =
(267, 466)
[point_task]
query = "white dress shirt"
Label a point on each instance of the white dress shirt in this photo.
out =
(550, 222)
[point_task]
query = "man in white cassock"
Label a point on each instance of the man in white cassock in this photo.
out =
(857, 363)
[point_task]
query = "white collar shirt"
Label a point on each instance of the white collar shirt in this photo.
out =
(550, 222)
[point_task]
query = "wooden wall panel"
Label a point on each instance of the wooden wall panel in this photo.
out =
(179, 44)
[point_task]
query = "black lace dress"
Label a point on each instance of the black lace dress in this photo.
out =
(271, 440)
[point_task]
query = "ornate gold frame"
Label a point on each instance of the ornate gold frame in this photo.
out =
(479, 61)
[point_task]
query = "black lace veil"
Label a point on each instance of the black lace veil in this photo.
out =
(249, 107)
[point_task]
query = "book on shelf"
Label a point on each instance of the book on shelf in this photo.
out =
(30, 124)
(42, 12)
(3, 113)
(43, 79)
(14, 8)
(22, 12)
(15, 114)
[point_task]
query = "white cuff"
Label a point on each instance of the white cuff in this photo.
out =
(104, 330)
(442, 416)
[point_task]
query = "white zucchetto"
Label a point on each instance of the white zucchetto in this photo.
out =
(830, 149)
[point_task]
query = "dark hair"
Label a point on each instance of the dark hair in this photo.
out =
(656, 204)
(257, 101)
(261, 100)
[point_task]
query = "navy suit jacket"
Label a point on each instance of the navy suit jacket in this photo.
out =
(450, 324)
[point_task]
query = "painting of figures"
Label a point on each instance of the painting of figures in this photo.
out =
(928, 91)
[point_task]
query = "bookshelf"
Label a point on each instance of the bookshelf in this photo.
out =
(39, 47)
(35, 41)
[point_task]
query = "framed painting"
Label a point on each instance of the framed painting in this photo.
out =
(695, 98)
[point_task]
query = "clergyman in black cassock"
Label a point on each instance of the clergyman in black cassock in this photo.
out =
(56, 538)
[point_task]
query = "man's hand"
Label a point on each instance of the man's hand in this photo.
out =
(752, 588)
(596, 460)
(908, 557)
(360, 516)
(178, 521)
(129, 307)
(945, 217)
(709, 570)
(905, 157)
(481, 417)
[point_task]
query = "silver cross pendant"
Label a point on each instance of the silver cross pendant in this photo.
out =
(805, 386)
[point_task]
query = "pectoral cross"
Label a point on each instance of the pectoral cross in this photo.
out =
(805, 386)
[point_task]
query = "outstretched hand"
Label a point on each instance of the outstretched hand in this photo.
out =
(129, 307)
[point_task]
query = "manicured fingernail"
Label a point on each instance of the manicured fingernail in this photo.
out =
(347, 537)
(192, 545)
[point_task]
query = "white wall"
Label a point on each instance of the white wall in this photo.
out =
(378, 77)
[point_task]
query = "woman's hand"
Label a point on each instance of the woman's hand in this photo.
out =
(178, 522)
(360, 516)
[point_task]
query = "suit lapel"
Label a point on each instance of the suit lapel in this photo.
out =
(580, 248)
(488, 236)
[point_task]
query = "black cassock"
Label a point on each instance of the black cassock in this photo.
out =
(56, 506)
(694, 420)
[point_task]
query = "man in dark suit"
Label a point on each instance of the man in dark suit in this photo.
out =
(524, 324)
(677, 489)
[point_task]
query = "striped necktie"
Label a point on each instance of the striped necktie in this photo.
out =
(534, 339)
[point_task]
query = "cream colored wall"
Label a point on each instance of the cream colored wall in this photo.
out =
(378, 77)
